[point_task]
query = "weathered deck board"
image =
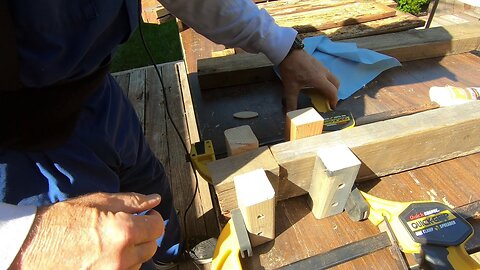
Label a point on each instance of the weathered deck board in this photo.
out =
(165, 143)
(136, 92)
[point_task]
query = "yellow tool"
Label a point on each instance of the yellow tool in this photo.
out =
(233, 240)
(429, 228)
(333, 120)
(201, 154)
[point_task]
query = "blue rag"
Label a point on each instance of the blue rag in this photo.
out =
(353, 66)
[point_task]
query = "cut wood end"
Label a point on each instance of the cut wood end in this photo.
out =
(253, 187)
(304, 116)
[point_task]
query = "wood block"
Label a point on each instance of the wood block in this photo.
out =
(386, 147)
(256, 201)
(334, 173)
(303, 123)
(223, 171)
(240, 140)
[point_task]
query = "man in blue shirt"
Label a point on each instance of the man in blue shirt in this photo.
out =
(68, 130)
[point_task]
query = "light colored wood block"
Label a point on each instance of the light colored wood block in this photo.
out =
(303, 123)
(334, 173)
(223, 171)
(256, 201)
(240, 140)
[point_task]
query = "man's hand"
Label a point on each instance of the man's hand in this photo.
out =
(300, 70)
(97, 231)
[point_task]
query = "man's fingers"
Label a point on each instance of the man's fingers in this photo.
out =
(148, 227)
(333, 80)
(119, 202)
(135, 267)
(136, 255)
(328, 89)
(135, 202)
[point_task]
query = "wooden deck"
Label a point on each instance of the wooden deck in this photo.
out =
(144, 90)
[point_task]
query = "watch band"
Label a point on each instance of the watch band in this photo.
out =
(297, 44)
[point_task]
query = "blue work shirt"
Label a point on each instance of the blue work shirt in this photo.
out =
(62, 40)
(58, 41)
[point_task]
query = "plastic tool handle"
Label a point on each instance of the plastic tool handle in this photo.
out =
(442, 258)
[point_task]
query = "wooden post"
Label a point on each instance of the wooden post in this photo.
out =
(256, 201)
(303, 123)
(240, 140)
(334, 173)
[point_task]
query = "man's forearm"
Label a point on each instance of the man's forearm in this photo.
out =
(236, 23)
(15, 223)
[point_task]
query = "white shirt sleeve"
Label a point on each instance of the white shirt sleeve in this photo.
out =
(235, 23)
(15, 223)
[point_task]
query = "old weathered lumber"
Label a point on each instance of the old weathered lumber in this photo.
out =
(384, 148)
(323, 18)
(284, 7)
(405, 46)
(401, 22)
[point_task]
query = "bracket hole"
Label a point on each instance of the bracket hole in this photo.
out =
(342, 185)
(334, 204)
(261, 216)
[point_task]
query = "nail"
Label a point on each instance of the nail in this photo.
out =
(153, 198)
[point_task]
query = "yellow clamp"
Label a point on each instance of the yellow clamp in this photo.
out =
(201, 154)
(456, 256)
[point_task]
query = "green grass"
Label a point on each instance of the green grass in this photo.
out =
(162, 40)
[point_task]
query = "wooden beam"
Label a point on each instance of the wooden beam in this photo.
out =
(256, 201)
(386, 147)
(334, 173)
(405, 46)
(223, 171)
(400, 22)
(284, 7)
(234, 69)
(303, 123)
(425, 43)
(153, 12)
(323, 18)
(240, 140)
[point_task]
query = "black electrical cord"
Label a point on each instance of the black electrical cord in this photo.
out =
(152, 60)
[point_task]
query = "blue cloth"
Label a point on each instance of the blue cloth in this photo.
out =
(353, 66)
(65, 40)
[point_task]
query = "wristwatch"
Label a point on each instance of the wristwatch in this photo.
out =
(297, 44)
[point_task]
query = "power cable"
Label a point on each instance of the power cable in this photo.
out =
(152, 60)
